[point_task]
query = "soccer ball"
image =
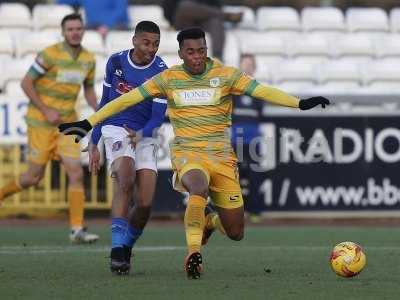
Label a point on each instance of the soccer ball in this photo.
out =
(347, 259)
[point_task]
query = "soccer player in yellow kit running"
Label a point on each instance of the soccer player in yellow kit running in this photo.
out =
(52, 85)
(199, 94)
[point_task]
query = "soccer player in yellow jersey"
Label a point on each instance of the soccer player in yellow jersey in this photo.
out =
(199, 94)
(52, 85)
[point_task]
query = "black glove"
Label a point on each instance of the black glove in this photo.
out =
(80, 129)
(309, 103)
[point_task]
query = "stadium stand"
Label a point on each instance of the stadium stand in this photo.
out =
(49, 16)
(331, 45)
(139, 13)
(15, 16)
(325, 19)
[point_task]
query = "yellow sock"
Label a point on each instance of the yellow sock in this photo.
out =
(194, 222)
(76, 199)
(214, 222)
(10, 188)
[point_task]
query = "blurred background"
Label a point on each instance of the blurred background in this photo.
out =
(342, 161)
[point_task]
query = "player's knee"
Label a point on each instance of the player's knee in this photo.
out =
(236, 233)
(35, 179)
(125, 184)
(201, 190)
(75, 176)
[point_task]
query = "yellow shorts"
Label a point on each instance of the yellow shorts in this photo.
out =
(222, 176)
(46, 144)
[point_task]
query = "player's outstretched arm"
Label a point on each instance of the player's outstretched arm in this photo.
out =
(278, 97)
(81, 128)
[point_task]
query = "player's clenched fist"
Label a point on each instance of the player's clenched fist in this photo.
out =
(309, 103)
(79, 128)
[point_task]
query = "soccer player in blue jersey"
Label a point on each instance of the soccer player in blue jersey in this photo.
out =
(130, 164)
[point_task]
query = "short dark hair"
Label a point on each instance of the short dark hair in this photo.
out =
(74, 16)
(147, 26)
(193, 33)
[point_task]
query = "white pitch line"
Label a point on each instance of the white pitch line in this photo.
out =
(16, 250)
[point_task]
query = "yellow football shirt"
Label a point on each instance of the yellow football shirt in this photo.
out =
(58, 78)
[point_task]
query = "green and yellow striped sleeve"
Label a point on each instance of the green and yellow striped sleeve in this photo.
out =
(117, 105)
(244, 84)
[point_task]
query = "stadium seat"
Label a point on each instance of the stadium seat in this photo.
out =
(15, 16)
(100, 68)
(367, 19)
(248, 20)
(93, 42)
(281, 19)
(382, 77)
(154, 13)
(309, 45)
(294, 76)
(118, 40)
(231, 52)
(13, 88)
(352, 48)
(266, 65)
(15, 71)
(168, 43)
(261, 43)
(171, 59)
(325, 19)
(49, 15)
(342, 78)
(6, 45)
(395, 19)
(388, 47)
(33, 42)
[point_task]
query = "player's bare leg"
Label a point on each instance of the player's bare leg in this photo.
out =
(139, 214)
(123, 177)
(196, 183)
(76, 199)
(30, 178)
(232, 221)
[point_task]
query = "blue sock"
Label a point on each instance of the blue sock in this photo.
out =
(118, 231)
(132, 234)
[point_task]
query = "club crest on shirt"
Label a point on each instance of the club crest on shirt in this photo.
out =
(116, 146)
(123, 87)
(214, 82)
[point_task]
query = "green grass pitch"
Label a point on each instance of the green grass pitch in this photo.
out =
(37, 262)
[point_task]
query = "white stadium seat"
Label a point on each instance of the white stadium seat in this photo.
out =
(369, 19)
(315, 45)
(153, 13)
(294, 75)
(101, 63)
(118, 40)
(13, 88)
(15, 16)
(93, 42)
(15, 70)
(231, 52)
(171, 59)
(248, 20)
(262, 43)
(342, 78)
(6, 44)
(168, 43)
(33, 42)
(322, 19)
(49, 15)
(353, 48)
(388, 47)
(384, 77)
(281, 19)
(395, 19)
